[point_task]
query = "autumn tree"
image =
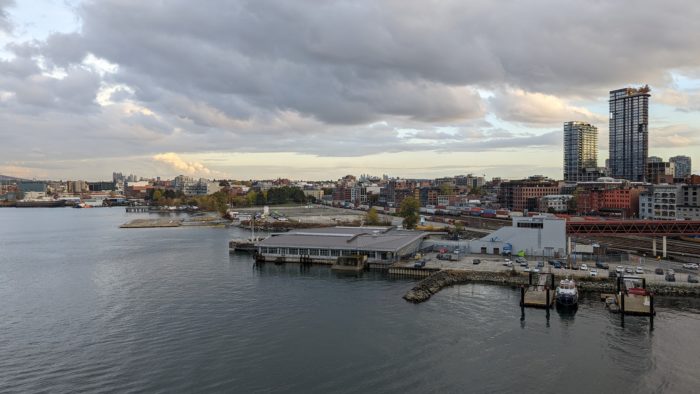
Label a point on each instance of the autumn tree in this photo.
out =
(372, 217)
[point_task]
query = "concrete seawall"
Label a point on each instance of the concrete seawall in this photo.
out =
(445, 278)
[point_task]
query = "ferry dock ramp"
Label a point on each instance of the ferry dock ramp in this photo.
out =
(539, 293)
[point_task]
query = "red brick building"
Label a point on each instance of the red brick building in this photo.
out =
(623, 202)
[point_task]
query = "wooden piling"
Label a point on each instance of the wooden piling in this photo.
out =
(651, 311)
(622, 302)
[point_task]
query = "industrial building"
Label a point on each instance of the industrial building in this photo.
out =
(319, 245)
(543, 235)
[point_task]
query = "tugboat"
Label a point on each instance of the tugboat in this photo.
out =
(567, 294)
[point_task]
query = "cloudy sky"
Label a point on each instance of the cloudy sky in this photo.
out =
(312, 89)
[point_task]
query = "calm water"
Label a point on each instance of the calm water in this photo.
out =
(86, 306)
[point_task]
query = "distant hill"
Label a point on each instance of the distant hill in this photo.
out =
(10, 178)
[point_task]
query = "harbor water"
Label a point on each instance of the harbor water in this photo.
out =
(88, 307)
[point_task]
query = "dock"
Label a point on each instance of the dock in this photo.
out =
(633, 304)
(138, 209)
(412, 272)
(152, 223)
(540, 295)
(631, 298)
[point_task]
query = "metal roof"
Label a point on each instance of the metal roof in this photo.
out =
(364, 238)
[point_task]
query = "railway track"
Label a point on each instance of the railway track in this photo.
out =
(643, 245)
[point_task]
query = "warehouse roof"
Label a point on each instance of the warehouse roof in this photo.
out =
(365, 238)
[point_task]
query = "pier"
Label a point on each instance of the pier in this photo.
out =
(138, 209)
(412, 272)
(540, 295)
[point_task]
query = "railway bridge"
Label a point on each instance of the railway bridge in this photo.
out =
(653, 228)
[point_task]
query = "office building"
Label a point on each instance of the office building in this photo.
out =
(629, 134)
(660, 172)
(682, 166)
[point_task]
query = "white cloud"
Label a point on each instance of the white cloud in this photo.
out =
(178, 163)
(517, 105)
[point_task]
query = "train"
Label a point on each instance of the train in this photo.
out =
(470, 211)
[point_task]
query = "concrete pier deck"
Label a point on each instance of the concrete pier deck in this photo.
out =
(152, 223)
(634, 304)
(538, 299)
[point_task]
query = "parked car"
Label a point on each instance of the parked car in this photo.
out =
(692, 278)
(557, 265)
(620, 269)
(508, 263)
(601, 265)
(690, 266)
(628, 270)
(540, 264)
(535, 269)
(476, 261)
(527, 269)
(593, 272)
(419, 264)
(639, 270)
(670, 277)
(584, 267)
(659, 271)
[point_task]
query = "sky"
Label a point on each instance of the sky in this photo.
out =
(316, 90)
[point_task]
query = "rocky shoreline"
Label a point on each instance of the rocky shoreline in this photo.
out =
(446, 278)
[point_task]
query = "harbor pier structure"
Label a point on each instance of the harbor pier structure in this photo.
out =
(325, 245)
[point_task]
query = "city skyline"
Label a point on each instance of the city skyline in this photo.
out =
(302, 91)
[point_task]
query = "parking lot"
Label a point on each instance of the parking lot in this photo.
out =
(490, 263)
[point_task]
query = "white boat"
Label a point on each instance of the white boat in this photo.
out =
(567, 293)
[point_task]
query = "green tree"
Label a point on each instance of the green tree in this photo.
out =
(251, 197)
(409, 210)
(446, 189)
(220, 202)
(372, 217)
(260, 198)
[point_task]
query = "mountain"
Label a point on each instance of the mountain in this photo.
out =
(9, 178)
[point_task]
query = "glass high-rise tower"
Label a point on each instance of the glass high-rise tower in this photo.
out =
(580, 151)
(629, 134)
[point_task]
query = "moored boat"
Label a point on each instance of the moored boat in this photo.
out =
(567, 293)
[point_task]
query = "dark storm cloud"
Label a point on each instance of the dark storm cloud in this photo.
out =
(268, 50)
(332, 77)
